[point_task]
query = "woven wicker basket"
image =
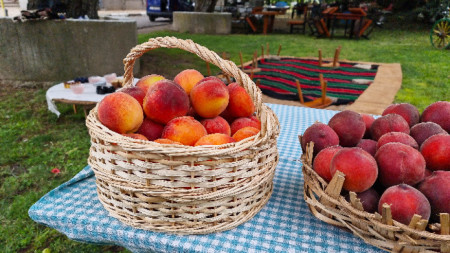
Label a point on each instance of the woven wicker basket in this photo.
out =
(184, 189)
(327, 204)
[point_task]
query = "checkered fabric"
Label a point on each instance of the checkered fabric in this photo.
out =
(285, 224)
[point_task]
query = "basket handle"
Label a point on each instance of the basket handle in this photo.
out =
(228, 67)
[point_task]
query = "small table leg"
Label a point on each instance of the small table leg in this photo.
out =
(266, 24)
(74, 108)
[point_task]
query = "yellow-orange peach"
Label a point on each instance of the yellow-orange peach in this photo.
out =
(188, 78)
(167, 141)
(245, 122)
(241, 104)
(214, 139)
(147, 81)
(245, 133)
(120, 112)
(164, 101)
(209, 98)
(185, 130)
(136, 136)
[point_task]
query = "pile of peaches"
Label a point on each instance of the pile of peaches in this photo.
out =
(401, 158)
(190, 110)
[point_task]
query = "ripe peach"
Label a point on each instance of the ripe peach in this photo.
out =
(322, 135)
(368, 145)
(147, 81)
(437, 190)
(167, 141)
(322, 162)
(388, 123)
(227, 116)
(209, 98)
(209, 78)
(439, 113)
(369, 199)
(136, 136)
(245, 122)
(408, 111)
(349, 126)
(399, 163)
(405, 201)
(436, 151)
(359, 167)
(164, 101)
(136, 92)
(216, 125)
(244, 133)
(422, 131)
(397, 137)
(214, 139)
(150, 129)
(187, 79)
(120, 112)
(241, 104)
(368, 120)
(184, 129)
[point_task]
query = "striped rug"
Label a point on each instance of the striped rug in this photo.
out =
(277, 79)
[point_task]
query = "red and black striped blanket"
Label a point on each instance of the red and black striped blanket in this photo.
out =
(277, 79)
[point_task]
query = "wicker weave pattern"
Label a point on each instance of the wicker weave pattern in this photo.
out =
(182, 189)
(326, 203)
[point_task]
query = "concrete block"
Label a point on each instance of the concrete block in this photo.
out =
(202, 22)
(59, 50)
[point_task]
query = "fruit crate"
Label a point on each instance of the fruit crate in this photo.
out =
(184, 189)
(327, 204)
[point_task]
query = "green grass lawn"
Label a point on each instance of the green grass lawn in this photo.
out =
(33, 141)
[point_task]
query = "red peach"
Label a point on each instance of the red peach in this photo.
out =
(349, 126)
(368, 145)
(368, 120)
(216, 125)
(150, 129)
(322, 135)
(405, 201)
(244, 133)
(136, 136)
(167, 141)
(184, 129)
(322, 162)
(369, 200)
(397, 137)
(136, 92)
(209, 78)
(245, 122)
(439, 113)
(388, 123)
(187, 79)
(399, 163)
(214, 139)
(436, 151)
(164, 101)
(147, 81)
(209, 98)
(359, 167)
(437, 190)
(241, 104)
(422, 131)
(120, 112)
(408, 111)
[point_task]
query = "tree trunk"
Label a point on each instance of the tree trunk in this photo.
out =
(205, 5)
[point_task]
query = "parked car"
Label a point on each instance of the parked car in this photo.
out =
(165, 8)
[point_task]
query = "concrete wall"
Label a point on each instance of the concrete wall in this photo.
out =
(202, 22)
(61, 50)
(123, 4)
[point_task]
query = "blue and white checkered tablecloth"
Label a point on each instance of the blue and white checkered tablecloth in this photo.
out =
(285, 224)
